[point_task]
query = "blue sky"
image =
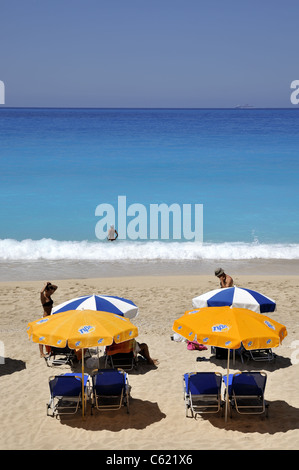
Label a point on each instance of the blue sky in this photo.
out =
(148, 53)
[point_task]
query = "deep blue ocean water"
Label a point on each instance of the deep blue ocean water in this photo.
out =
(58, 165)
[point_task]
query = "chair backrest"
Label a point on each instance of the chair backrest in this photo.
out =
(65, 350)
(249, 383)
(203, 383)
(65, 385)
(109, 381)
(123, 356)
(121, 348)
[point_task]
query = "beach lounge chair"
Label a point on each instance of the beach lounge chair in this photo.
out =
(60, 356)
(125, 361)
(121, 355)
(260, 355)
(63, 356)
(246, 392)
(110, 389)
(202, 392)
(65, 393)
(255, 354)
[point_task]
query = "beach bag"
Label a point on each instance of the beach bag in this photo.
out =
(194, 345)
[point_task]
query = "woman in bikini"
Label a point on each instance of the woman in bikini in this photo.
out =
(47, 303)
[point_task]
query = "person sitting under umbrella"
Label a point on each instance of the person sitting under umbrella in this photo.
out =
(132, 345)
(225, 279)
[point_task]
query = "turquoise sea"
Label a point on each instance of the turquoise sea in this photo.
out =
(58, 165)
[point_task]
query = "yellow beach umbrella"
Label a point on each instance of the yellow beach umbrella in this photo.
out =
(228, 327)
(81, 329)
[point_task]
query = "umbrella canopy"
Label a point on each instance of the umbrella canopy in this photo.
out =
(235, 297)
(81, 329)
(106, 303)
(228, 327)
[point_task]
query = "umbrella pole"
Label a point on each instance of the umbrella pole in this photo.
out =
(83, 398)
(227, 378)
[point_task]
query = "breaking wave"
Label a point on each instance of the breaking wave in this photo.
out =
(49, 249)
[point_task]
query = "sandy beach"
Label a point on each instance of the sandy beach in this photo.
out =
(157, 418)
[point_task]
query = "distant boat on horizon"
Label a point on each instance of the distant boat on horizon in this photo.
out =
(243, 106)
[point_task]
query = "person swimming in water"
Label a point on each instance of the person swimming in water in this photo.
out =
(112, 233)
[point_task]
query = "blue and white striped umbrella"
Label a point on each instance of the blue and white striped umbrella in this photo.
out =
(104, 303)
(235, 297)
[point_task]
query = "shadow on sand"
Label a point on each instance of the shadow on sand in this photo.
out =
(143, 413)
(9, 366)
(280, 362)
(282, 417)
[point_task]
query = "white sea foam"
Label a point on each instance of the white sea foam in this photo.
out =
(48, 249)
